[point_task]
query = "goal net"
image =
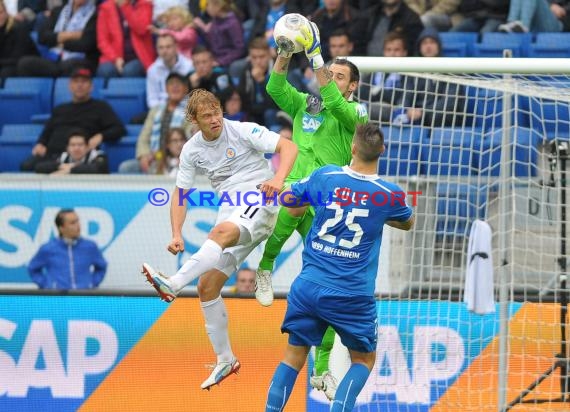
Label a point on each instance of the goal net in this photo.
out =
(468, 323)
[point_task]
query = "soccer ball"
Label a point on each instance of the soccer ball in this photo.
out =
(287, 28)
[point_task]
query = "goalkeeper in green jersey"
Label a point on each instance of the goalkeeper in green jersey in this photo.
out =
(323, 128)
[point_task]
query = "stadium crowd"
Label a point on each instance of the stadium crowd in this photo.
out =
(227, 47)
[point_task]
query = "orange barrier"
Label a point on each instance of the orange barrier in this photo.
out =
(164, 370)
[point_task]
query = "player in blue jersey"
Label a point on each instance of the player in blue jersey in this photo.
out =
(340, 262)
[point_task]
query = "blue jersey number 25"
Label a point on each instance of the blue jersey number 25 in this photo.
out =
(348, 222)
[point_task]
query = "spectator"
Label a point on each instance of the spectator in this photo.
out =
(269, 13)
(179, 25)
(245, 281)
(531, 15)
(223, 34)
(123, 38)
(375, 23)
(159, 121)
(232, 105)
(204, 76)
(561, 9)
(384, 91)
(168, 61)
(335, 15)
(168, 157)
(25, 11)
(15, 42)
(70, 32)
(77, 159)
(481, 16)
(96, 117)
(439, 14)
(260, 108)
(159, 8)
(432, 103)
(69, 261)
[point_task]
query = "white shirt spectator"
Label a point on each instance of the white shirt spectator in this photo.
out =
(156, 79)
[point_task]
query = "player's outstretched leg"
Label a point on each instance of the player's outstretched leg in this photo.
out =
(323, 379)
(284, 228)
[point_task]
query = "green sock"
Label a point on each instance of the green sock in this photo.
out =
(286, 225)
(305, 225)
(323, 352)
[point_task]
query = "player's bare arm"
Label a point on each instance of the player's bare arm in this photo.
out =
(407, 225)
(281, 65)
(177, 217)
(288, 152)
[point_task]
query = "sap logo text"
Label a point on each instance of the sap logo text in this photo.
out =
(310, 124)
(23, 244)
(438, 355)
(64, 377)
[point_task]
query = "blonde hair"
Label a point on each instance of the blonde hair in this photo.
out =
(201, 98)
(10, 20)
(181, 12)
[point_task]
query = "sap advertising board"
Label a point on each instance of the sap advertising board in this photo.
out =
(121, 215)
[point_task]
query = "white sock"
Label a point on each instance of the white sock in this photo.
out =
(217, 328)
(202, 261)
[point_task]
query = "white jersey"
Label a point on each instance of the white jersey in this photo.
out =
(231, 161)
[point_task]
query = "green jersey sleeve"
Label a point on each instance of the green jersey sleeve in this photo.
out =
(347, 113)
(289, 99)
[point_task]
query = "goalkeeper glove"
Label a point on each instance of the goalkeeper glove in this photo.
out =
(312, 43)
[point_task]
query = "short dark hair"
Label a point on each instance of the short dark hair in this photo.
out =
(354, 72)
(341, 32)
(60, 216)
(369, 142)
(179, 77)
(396, 35)
(258, 43)
(200, 49)
(78, 133)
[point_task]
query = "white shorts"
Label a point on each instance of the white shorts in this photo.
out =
(256, 224)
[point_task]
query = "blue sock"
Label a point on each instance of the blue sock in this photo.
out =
(349, 388)
(280, 388)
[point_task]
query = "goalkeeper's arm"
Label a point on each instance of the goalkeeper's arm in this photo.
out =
(311, 41)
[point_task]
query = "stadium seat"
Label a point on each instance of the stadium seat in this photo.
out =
(448, 152)
(124, 149)
(457, 206)
(550, 118)
(402, 150)
(119, 151)
(127, 96)
(16, 143)
(484, 107)
(492, 44)
(23, 97)
(523, 40)
(133, 129)
(454, 49)
(550, 45)
(466, 38)
(487, 156)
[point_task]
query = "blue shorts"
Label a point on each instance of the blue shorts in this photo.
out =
(311, 308)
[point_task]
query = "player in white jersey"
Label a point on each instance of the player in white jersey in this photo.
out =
(231, 155)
